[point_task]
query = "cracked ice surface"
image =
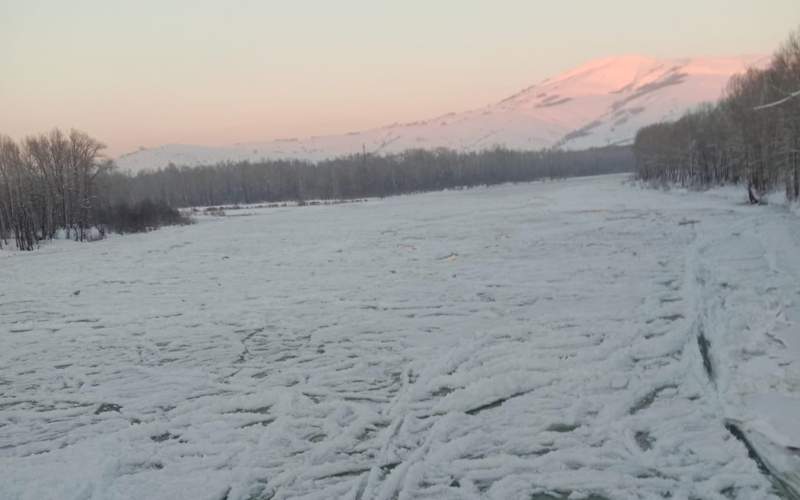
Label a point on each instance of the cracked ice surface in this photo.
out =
(525, 341)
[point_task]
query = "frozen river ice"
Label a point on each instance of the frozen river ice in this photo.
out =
(516, 342)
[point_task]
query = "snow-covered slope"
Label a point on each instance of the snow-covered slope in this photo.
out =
(600, 103)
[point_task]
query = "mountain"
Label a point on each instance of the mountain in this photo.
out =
(600, 103)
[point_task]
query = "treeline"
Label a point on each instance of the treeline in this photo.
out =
(751, 136)
(359, 176)
(59, 185)
(53, 185)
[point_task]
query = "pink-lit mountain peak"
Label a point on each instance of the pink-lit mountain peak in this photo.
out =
(607, 74)
(621, 74)
(602, 102)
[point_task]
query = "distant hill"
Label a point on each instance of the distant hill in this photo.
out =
(601, 103)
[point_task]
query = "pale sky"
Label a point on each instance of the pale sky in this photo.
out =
(147, 72)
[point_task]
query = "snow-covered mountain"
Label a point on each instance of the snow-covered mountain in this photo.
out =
(600, 103)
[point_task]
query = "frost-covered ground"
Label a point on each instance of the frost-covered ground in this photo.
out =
(532, 341)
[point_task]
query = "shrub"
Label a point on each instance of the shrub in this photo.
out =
(139, 217)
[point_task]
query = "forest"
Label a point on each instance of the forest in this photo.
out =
(751, 136)
(358, 176)
(59, 184)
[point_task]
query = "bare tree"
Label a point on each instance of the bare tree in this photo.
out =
(751, 136)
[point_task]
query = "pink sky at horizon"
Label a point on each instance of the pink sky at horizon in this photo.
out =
(204, 72)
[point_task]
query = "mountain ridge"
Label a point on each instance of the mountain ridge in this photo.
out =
(599, 103)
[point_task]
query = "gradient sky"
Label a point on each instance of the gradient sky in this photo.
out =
(146, 72)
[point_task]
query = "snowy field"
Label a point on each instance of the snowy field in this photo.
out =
(535, 341)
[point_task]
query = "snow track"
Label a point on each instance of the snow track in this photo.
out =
(533, 341)
(749, 326)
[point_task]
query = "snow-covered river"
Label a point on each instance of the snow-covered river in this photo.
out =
(517, 342)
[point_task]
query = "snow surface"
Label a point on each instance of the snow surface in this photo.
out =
(528, 341)
(600, 103)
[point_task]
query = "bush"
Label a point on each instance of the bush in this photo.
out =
(139, 217)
